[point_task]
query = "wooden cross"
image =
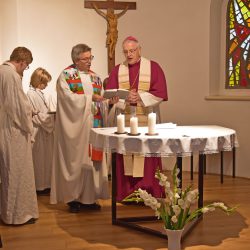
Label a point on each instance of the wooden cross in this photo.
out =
(112, 21)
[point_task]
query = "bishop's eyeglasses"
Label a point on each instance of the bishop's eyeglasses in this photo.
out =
(131, 51)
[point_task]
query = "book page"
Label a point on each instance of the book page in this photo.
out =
(109, 93)
(121, 93)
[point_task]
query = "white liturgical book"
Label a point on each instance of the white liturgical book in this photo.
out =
(121, 93)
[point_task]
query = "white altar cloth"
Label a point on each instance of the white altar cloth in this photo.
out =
(179, 140)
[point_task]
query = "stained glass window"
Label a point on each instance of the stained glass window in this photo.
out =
(238, 45)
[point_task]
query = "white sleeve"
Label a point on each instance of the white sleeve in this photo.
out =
(120, 104)
(42, 118)
(149, 99)
(17, 105)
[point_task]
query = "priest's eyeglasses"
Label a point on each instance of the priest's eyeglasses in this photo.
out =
(27, 65)
(86, 59)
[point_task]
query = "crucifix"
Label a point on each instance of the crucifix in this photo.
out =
(112, 20)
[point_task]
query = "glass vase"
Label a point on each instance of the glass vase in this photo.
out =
(174, 239)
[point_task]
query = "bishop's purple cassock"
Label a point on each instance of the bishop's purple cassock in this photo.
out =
(158, 90)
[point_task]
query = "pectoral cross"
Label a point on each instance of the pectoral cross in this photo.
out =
(112, 21)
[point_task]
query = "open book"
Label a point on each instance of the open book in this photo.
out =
(122, 93)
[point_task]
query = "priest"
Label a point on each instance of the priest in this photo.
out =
(146, 82)
(79, 173)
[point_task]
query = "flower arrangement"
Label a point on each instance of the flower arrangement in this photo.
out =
(175, 209)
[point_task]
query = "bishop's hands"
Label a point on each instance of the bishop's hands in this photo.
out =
(133, 97)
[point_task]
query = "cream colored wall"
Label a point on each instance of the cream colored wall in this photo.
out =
(1, 22)
(9, 36)
(50, 29)
(177, 35)
(174, 33)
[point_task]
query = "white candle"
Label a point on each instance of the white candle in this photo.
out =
(120, 123)
(133, 125)
(151, 123)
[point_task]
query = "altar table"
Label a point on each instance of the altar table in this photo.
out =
(171, 140)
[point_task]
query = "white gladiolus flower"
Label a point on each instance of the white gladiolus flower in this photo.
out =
(167, 184)
(211, 209)
(177, 196)
(163, 180)
(177, 171)
(220, 204)
(149, 200)
(178, 182)
(170, 195)
(181, 203)
(153, 201)
(179, 191)
(158, 214)
(175, 201)
(192, 196)
(163, 177)
(176, 209)
(158, 205)
(205, 210)
(174, 219)
(224, 207)
(162, 183)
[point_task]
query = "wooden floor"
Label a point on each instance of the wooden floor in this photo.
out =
(57, 229)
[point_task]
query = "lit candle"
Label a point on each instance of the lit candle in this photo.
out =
(151, 123)
(120, 123)
(133, 125)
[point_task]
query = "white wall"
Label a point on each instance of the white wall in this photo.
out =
(50, 29)
(174, 33)
(1, 24)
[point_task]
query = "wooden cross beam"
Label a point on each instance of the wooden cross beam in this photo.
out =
(110, 4)
(112, 21)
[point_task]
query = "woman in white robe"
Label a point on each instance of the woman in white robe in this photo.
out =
(43, 122)
(17, 194)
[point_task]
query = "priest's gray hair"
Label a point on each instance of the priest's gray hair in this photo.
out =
(77, 50)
